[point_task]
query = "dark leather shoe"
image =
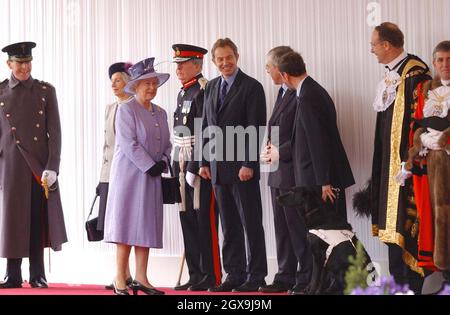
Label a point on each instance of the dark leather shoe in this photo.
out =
(39, 283)
(118, 291)
(275, 287)
(136, 287)
(299, 290)
(184, 287)
(249, 286)
(129, 282)
(204, 285)
(10, 284)
(227, 286)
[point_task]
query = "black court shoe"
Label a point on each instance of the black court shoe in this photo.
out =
(119, 291)
(136, 287)
(129, 282)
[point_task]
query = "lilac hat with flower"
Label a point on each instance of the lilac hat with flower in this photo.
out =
(144, 70)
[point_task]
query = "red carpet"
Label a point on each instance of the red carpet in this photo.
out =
(77, 289)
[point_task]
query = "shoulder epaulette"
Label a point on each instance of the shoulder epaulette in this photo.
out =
(203, 82)
(45, 85)
(4, 82)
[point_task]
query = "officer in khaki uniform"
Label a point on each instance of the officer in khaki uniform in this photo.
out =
(31, 216)
(198, 213)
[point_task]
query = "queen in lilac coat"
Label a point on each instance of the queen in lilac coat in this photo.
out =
(134, 215)
(135, 197)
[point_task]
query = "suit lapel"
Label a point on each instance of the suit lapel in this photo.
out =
(280, 106)
(215, 94)
(305, 85)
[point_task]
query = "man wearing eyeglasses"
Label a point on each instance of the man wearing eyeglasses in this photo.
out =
(394, 212)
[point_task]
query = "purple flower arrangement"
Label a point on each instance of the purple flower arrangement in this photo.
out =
(445, 291)
(384, 286)
(387, 286)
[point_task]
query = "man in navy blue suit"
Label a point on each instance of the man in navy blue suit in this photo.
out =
(236, 101)
(320, 161)
(293, 253)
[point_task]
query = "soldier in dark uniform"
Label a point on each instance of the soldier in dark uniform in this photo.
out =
(31, 216)
(198, 213)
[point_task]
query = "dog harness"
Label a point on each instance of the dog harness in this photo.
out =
(333, 238)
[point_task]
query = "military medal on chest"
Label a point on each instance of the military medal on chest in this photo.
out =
(186, 110)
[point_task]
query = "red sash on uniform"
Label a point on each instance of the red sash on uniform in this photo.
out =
(423, 202)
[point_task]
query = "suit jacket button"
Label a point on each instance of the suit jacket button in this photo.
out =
(156, 125)
(43, 99)
(38, 126)
(41, 112)
(18, 142)
(13, 129)
(2, 104)
(8, 115)
(35, 139)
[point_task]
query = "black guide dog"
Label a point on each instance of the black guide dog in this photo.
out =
(330, 237)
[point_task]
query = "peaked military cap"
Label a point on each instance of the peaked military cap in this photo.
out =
(187, 52)
(20, 52)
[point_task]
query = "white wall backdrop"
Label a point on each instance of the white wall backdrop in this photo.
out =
(77, 40)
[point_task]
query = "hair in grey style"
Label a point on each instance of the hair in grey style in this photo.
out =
(125, 76)
(197, 62)
(276, 53)
(441, 47)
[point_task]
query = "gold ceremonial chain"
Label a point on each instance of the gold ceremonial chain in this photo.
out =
(438, 107)
(390, 82)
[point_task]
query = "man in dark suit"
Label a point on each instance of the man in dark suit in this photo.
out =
(198, 212)
(290, 229)
(320, 161)
(235, 108)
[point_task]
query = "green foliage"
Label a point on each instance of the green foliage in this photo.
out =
(356, 275)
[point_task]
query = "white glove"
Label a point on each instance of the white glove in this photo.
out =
(51, 177)
(403, 175)
(430, 139)
(192, 179)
